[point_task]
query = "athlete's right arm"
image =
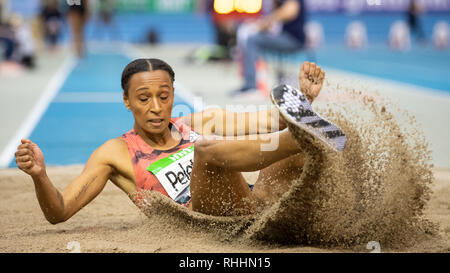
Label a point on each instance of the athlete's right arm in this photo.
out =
(60, 206)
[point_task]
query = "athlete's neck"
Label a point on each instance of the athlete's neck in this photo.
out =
(164, 141)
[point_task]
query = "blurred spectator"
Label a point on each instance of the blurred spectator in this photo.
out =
(441, 35)
(6, 33)
(106, 10)
(7, 40)
(18, 42)
(153, 37)
(251, 28)
(52, 21)
(78, 15)
(225, 36)
(399, 36)
(414, 22)
(24, 51)
(314, 35)
(290, 15)
(225, 27)
(356, 35)
(4, 10)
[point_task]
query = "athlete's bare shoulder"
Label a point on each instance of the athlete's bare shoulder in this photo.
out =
(115, 143)
(111, 149)
(117, 152)
(114, 153)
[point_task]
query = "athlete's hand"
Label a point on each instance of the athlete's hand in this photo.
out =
(311, 80)
(30, 159)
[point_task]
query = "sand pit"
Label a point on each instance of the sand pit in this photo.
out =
(112, 223)
(381, 189)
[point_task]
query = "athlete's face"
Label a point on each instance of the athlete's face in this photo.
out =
(150, 98)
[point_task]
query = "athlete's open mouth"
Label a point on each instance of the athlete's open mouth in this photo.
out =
(156, 121)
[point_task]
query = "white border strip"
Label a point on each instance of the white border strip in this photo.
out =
(37, 111)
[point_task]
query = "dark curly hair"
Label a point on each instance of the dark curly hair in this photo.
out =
(143, 65)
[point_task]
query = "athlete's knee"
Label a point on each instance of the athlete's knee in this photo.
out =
(204, 149)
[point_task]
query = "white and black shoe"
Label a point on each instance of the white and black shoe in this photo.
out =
(295, 109)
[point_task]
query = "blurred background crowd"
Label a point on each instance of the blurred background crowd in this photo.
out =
(224, 30)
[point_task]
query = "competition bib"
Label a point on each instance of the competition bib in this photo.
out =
(174, 173)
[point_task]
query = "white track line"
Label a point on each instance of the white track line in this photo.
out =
(37, 111)
(89, 97)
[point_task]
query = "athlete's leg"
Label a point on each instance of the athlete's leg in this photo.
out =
(217, 186)
(274, 180)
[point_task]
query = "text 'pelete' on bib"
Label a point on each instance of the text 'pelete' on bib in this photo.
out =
(174, 173)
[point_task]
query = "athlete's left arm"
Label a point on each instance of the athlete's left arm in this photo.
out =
(217, 121)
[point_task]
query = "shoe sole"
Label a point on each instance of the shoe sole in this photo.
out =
(295, 109)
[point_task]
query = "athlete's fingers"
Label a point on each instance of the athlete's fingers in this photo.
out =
(24, 158)
(25, 165)
(23, 146)
(322, 75)
(22, 152)
(314, 71)
(317, 71)
(26, 147)
(306, 67)
(26, 141)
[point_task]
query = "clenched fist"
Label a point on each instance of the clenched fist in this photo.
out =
(311, 80)
(29, 158)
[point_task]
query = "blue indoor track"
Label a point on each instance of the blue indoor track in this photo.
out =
(421, 66)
